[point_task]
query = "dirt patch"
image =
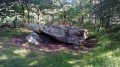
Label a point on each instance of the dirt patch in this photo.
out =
(47, 46)
(51, 46)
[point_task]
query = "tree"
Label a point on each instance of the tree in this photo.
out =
(105, 10)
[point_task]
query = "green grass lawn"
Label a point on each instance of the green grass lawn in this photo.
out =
(106, 53)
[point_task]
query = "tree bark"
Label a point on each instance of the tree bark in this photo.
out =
(107, 23)
(100, 25)
(23, 10)
(28, 12)
(95, 24)
(14, 22)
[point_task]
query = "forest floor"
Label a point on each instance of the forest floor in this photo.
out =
(15, 51)
(20, 40)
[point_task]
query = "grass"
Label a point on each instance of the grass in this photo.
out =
(106, 53)
(10, 33)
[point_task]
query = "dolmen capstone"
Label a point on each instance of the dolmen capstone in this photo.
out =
(62, 33)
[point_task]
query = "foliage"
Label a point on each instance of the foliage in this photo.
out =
(106, 52)
(106, 11)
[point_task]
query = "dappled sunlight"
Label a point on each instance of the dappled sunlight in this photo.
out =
(26, 45)
(19, 40)
(1, 47)
(33, 63)
(76, 66)
(13, 52)
(74, 61)
(19, 57)
(111, 54)
(60, 20)
(21, 52)
(67, 55)
(108, 54)
(107, 58)
(88, 65)
(3, 57)
(75, 53)
(25, 30)
(52, 47)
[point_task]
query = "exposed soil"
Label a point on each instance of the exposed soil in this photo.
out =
(51, 45)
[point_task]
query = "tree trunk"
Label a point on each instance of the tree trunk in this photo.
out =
(95, 24)
(107, 23)
(38, 16)
(28, 13)
(82, 20)
(38, 13)
(90, 10)
(14, 22)
(100, 25)
(23, 10)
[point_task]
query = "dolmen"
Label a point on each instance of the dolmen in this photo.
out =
(63, 33)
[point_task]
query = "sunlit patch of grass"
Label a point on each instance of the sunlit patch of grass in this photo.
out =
(24, 30)
(9, 52)
(21, 52)
(19, 57)
(33, 63)
(1, 47)
(106, 54)
(73, 61)
(3, 57)
(69, 58)
(99, 60)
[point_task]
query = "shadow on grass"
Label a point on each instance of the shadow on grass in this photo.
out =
(106, 54)
(17, 57)
(11, 55)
